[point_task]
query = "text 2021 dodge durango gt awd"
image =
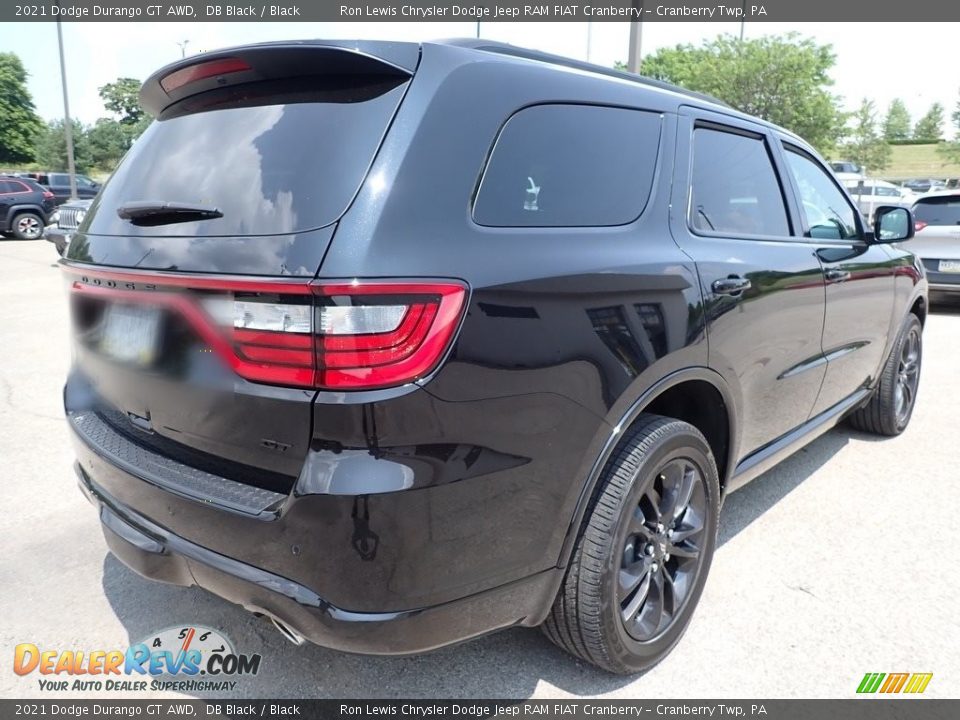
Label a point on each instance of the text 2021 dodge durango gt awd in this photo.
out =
(399, 344)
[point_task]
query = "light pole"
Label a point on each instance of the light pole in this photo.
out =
(636, 41)
(183, 48)
(67, 122)
(743, 19)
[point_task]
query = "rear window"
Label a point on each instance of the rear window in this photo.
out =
(272, 160)
(938, 210)
(570, 165)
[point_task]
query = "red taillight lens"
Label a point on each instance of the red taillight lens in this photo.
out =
(384, 334)
(202, 71)
(353, 336)
(919, 225)
(47, 195)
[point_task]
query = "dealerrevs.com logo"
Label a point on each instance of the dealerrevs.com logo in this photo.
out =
(185, 659)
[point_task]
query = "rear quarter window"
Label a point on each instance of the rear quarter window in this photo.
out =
(570, 166)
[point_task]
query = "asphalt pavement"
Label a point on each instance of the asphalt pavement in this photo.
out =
(843, 560)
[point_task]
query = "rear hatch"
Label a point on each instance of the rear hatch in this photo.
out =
(938, 232)
(194, 310)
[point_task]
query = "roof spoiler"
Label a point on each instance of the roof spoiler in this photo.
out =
(270, 61)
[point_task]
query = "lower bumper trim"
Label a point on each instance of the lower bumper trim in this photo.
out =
(153, 552)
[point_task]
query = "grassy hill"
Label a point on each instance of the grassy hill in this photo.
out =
(911, 161)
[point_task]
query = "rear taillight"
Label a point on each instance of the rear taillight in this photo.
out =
(47, 195)
(919, 225)
(336, 336)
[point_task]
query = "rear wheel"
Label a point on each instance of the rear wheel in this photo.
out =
(644, 550)
(27, 226)
(891, 407)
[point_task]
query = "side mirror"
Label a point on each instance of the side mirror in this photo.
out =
(892, 224)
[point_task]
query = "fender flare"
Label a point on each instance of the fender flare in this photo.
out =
(30, 207)
(704, 374)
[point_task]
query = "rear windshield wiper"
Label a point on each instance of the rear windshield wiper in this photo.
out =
(155, 212)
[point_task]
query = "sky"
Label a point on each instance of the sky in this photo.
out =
(914, 61)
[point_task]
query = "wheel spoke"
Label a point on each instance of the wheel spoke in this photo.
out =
(654, 612)
(686, 550)
(637, 525)
(629, 611)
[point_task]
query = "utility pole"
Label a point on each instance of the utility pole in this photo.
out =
(636, 41)
(67, 122)
(183, 48)
(589, 39)
(743, 20)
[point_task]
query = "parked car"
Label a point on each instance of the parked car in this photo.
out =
(401, 371)
(847, 171)
(871, 193)
(938, 239)
(68, 219)
(923, 185)
(25, 207)
(59, 184)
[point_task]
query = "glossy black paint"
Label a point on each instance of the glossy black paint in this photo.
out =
(472, 480)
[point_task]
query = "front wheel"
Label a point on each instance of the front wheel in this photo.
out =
(891, 407)
(644, 550)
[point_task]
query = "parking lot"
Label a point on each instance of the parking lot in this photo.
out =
(841, 561)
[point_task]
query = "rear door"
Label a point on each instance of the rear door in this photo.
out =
(763, 287)
(6, 200)
(859, 279)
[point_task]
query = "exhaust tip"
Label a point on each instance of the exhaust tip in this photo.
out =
(287, 632)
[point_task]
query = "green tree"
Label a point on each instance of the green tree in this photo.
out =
(52, 147)
(19, 123)
(950, 151)
(896, 124)
(109, 140)
(864, 145)
(929, 128)
(782, 79)
(122, 97)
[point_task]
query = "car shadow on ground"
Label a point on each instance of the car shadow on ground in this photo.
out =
(508, 664)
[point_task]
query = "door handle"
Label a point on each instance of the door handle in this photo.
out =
(733, 285)
(834, 275)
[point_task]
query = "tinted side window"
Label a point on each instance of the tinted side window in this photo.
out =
(6, 187)
(735, 188)
(829, 215)
(570, 165)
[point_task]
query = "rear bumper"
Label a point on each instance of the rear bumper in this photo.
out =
(158, 554)
(941, 282)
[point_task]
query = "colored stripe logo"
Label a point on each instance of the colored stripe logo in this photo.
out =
(913, 683)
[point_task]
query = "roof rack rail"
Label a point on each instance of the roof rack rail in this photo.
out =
(551, 59)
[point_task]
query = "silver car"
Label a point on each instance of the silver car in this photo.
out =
(869, 194)
(937, 242)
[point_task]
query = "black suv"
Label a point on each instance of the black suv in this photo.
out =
(25, 207)
(59, 184)
(400, 344)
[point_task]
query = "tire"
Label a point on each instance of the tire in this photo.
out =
(27, 226)
(891, 407)
(625, 538)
